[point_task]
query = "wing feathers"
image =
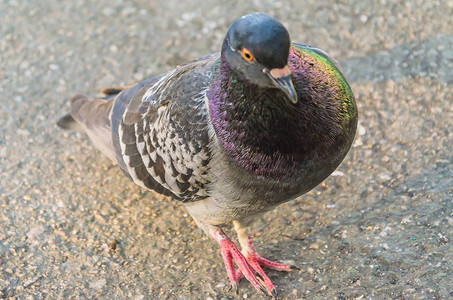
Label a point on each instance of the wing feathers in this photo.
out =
(156, 130)
(163, 133)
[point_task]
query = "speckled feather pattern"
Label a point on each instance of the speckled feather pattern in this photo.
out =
(160, 132)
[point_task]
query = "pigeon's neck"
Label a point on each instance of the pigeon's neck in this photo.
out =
(258, 128)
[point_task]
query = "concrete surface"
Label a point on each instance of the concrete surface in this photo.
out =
(381, 228)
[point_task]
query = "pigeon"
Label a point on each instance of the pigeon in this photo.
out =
(231, 135)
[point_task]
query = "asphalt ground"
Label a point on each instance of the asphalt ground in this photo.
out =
(380, 228)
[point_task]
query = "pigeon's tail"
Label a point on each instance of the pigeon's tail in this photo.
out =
(67, 122)
(92, 116)
(113, 91)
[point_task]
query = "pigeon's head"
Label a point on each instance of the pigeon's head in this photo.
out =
(256, 47)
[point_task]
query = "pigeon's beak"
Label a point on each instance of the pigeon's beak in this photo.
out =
(282, 80)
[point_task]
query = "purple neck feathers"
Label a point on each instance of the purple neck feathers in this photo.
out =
(258, 128)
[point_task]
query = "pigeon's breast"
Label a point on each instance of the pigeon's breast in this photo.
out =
(272, 148)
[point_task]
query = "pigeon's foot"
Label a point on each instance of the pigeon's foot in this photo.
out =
(249, 264)
(251, 255)
(256, 261)
(229, 252)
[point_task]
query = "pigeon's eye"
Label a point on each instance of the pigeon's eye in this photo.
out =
(246, 54)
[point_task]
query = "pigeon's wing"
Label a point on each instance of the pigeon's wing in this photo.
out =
(160, 132)
(92, 116)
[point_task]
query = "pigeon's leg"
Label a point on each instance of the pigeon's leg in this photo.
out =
(230, 252)
(256, 261)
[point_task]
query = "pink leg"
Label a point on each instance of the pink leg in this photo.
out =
(256, 261)
(229, 251)
(265, 262)
(248, 261)
(274, 266)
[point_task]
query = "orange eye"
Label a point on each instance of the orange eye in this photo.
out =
(246, 54)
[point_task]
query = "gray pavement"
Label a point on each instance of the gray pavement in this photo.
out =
(381, 228)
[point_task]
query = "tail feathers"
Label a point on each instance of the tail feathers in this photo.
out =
(91, 116)
(110, 91)
(114, 90)
(91, 113)
(67, 122)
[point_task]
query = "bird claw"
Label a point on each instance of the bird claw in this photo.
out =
(234, 286)
(249, 266)
(274, 293)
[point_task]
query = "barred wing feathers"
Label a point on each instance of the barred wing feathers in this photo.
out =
(160, 132)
